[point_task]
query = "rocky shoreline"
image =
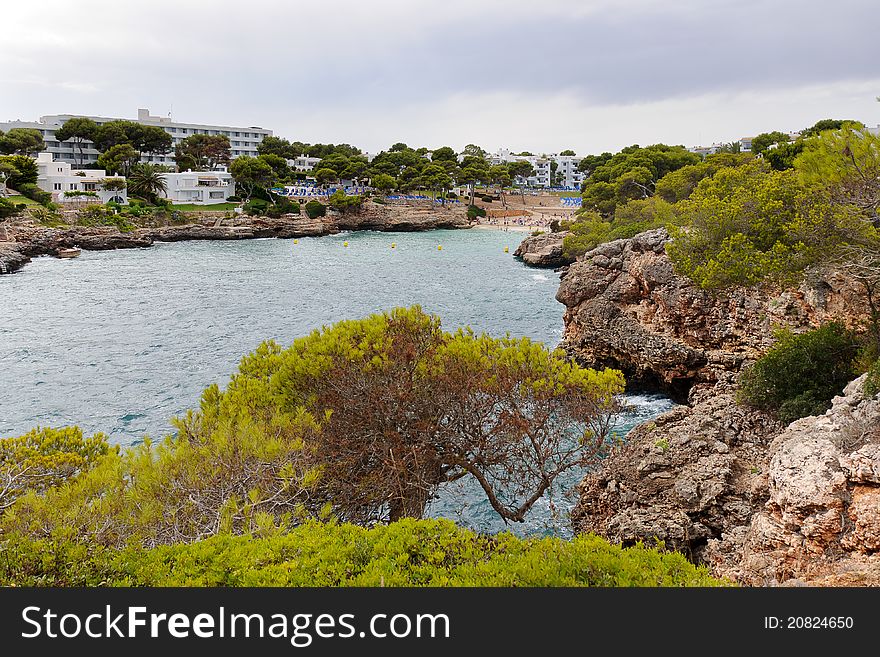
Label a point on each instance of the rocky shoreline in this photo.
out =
(28, 240)
(544, 250)
(731, 487)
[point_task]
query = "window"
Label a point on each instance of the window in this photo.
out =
(71, 186)
(57, 186)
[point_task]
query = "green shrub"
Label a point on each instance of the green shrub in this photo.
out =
(474, 212)
(256, 206)
(801, 373)
(487, 199)
(234, 198)
(341, 202)
(102, 215)
(31, 191)
(315, 209)
(405, 553)
(7, 208)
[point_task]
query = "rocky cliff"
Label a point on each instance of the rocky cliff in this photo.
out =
(626, 307)
(544, 250)
(404, 217)
(729, 486)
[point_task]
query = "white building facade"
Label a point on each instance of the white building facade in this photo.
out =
(568, 176)
(303, 163)
(199, 187)
(243, 141)
(67, 184)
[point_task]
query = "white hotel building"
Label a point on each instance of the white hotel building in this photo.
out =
(67, 184)
(567, 168)
(243, 141)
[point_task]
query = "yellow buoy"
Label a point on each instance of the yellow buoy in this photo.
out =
(505, 249)
(296, 241)
(393, 245)
(345, 244)
(439, 247)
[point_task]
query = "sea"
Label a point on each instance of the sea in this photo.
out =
(122, 341)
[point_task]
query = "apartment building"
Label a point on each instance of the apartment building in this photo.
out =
(243, 141)
(68, 184)
(566, 168)
(199, 187)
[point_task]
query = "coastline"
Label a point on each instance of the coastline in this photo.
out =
(31, 240)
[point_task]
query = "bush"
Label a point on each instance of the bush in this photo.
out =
(7, 208)
(233, 199)
(487, 199)
(315, 209)
(405, 553)
(474, 212)
(31, 191)
(801, 373)
(256, 207)
(341, 202)
(282, 206)
(102, 215)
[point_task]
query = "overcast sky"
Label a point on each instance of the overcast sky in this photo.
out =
(540, 75)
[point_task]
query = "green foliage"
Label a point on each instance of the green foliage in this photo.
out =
(679, 184)
(147, 181)
(22, 141)
(872, 382)
(434, 406)
(591, 229)
(567, 151)
(119, 159)
(341, 202)
(761, 142)
(31, 191)
(252, 174)
(202, 152)
(745, 225)
(80, 130)
(830, 124)
(474, 212)
(282, 206)
(256, 207)
(628, 175)
(44, 458)
(18, 170)
(315, 209)
(406, 553)
(847, 163)
(7, 208)
(801, 373)
(103, 215)
(782, 157)
(384, 182)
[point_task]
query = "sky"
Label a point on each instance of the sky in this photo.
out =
(540, 75)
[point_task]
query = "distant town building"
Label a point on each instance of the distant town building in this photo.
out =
(67, 184)
(243, 141)
(707, 150)
(567, 172)
(303, 163)
(199, 187)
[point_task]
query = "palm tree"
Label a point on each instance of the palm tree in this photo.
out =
(146, 181)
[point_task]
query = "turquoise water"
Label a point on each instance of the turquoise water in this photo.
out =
(121, 341)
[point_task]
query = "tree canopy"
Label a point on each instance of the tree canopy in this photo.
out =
(21, 141)
(632, 173)
(202, 152)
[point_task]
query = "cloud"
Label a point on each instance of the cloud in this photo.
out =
(537, 71)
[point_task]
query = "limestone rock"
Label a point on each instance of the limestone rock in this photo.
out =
(543, 250)
(626, 307)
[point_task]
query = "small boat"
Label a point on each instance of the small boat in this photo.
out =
(72, 252)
